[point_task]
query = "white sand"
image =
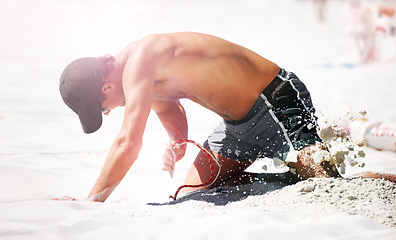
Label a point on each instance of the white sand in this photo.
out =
(44, 154)
(311, 199)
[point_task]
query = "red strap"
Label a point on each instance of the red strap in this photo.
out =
(210, 158)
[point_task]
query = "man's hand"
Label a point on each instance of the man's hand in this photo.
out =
(173, 118)
(171, 156)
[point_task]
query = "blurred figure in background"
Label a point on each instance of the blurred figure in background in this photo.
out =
(386, 32)
(373, 28)
(320, 8)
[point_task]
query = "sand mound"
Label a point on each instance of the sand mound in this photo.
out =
(373, 198)
(310, 199)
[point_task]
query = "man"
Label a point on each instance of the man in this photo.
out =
(267, 111)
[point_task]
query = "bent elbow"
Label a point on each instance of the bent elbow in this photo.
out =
(129, 147)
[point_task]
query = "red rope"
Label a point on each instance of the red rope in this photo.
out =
(210, 158)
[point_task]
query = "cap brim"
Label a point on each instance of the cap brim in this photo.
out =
(91, 120)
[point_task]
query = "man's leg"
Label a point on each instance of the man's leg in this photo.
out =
(200, 171)
(305, 168)
(233, 173)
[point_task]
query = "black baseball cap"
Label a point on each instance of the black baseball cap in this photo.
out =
(80, 86)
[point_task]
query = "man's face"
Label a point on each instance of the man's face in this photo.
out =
(111, 98)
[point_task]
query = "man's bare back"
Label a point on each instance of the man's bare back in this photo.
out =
(219, 75)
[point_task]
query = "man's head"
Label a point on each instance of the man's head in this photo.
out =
(81, 89)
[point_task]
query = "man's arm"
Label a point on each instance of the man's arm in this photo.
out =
(173, 118)
(138, 87)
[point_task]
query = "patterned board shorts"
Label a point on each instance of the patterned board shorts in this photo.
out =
(282, 117)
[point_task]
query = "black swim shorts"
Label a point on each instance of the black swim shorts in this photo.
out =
(282, 117)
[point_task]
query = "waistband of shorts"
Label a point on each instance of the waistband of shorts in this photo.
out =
(275, 82)
(282, 72)
(259, 103)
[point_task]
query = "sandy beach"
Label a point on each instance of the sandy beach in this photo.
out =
(44, 153)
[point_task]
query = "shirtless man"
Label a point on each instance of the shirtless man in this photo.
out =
(266, 110)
